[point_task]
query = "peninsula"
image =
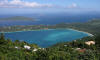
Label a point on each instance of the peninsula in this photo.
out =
(17, 18)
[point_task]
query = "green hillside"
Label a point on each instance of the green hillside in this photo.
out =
(17, 18)
(92, 26)
(75, 50)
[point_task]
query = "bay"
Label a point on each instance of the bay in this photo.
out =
(46, 38)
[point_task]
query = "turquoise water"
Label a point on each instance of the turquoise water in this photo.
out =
(46, 38)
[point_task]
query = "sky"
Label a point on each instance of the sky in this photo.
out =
(31, 6)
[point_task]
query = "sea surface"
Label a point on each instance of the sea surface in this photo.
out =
(49, 19)
(46, 38)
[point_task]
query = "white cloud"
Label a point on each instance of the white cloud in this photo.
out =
(22, 4)
(15, 2)
(26, 4)
(73, 5)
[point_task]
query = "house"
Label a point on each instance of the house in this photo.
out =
(16, 47)
(65, 45)
(90, 43)
(80, 50)
(27, 47)
(35, 50)
(77, 48)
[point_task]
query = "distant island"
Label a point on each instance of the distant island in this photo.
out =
(92, 27)
(18, 18)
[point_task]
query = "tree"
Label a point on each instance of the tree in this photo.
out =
(9, 42)
(97, 39)
(2, 38)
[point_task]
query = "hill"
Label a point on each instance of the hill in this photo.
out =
(17, 18)
(75, 50)
(92, 26)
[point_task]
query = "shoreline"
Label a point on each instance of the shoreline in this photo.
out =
(91, 35)
(27, 30)
(52, 29)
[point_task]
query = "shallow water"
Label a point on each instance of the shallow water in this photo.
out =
(46, 38)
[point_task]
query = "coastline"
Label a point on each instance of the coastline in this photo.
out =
(91, 35)
(26, 30)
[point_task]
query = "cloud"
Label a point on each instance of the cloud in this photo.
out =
(22, 4)
(27, 4)
(73, 5)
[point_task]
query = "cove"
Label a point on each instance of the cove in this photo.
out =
(46, 38)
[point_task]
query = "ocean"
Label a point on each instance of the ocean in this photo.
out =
(46, 38)
(49, 19)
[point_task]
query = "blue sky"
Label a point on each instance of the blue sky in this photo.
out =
(29, 6)
(81, 3)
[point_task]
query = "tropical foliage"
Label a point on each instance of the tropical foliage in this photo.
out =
(75, 50)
